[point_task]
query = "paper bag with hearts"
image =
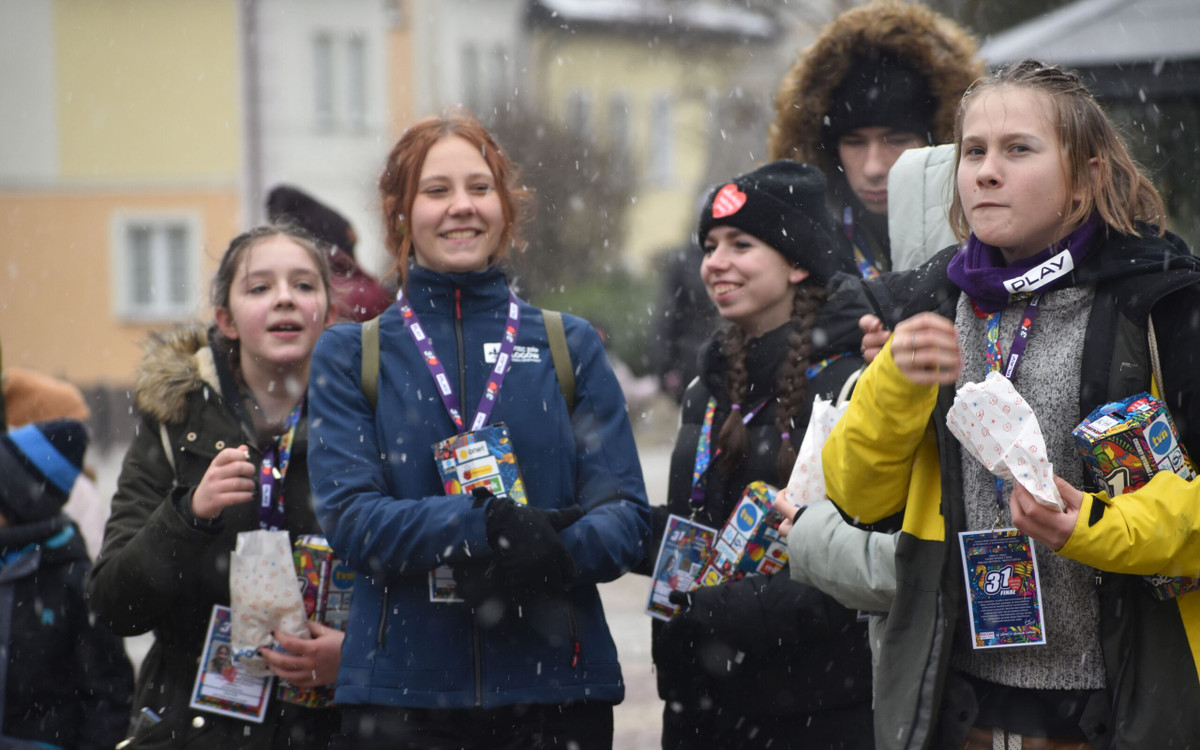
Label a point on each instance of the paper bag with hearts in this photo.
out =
(264, 596)
(999, 428)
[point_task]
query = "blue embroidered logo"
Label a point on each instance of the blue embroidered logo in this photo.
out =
(47, 617)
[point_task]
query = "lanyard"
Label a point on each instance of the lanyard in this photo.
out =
(272, 472)
(994, 358)
(487, 402)
(704, 452)
(862, 257)
(1020, 339)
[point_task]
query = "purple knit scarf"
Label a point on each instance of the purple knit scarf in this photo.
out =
(979, 270)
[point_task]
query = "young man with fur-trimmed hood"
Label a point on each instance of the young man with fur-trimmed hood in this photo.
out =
(880, 79)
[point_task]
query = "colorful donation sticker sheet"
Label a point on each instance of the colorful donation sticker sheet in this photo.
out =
(222, 687)
(1003, 592)
(682, 556)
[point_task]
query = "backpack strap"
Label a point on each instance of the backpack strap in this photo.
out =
(369, 379)
(564, 370)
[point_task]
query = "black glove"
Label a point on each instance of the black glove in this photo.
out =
(731, 613)
(531, 560)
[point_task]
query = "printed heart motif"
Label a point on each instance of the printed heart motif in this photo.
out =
(728, 201)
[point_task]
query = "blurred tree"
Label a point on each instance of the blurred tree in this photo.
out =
(581, 190)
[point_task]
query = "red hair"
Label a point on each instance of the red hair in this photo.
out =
(401, 175)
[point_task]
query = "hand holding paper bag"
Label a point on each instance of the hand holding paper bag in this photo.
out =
(264, 596)
(1000, 429)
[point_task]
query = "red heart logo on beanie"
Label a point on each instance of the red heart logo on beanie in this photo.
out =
(728, 201)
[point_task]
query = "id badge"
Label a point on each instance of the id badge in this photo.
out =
(480, 458)
(221, 686)
(1004, 598)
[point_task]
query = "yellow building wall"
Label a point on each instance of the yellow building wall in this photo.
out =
(603, 65)
(147, 89)
(56, 306)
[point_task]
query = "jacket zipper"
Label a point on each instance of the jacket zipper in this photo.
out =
(476, 636)
(576, 648)
(382, 619)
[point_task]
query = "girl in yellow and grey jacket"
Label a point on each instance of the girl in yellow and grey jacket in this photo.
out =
(1043, 182)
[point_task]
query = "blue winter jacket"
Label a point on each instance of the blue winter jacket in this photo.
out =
(379, 498)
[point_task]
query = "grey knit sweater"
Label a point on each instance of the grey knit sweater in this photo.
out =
(1048, 379)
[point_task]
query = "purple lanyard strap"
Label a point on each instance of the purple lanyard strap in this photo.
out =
(449, 398)
(272, 472)
(994, 356)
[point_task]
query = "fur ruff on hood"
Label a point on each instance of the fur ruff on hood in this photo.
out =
(933, 44)
(176, 362)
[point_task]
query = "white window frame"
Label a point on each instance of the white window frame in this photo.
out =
(660, 146)
(324, 79)
(159, 307)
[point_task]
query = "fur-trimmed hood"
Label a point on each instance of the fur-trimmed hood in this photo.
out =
(176, 362)
(932, 44)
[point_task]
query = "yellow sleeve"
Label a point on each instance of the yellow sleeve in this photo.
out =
(1152, 530)
(868, 459)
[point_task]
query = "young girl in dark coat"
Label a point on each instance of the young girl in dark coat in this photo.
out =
(762, 661)
(214, 402)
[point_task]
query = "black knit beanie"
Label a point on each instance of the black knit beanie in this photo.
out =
(38, 467)
(294, 206)
(783, 204)
(881, 90)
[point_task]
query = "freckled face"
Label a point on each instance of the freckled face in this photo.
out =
(457, 220)
(749, 281)
(1012, 174)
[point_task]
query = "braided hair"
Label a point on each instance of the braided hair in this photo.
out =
(791, 389)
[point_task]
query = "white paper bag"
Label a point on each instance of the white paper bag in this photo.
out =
(806, 485)
(264, 596)
(999, 428)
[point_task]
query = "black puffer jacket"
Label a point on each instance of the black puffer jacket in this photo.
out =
(159, 572)
(802, 652)
(69, 682)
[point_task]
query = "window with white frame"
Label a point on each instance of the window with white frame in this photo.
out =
(323, 105)
(472, 93)
(619, 135)
(156, 265)
(660, 157)
(340, 80)
(578, 117)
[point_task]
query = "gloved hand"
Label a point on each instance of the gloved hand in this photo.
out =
(531, 560)
(729, 612)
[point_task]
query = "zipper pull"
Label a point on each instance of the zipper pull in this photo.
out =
(575, 653)
(458, 303)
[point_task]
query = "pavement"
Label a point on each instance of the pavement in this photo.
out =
(638, 720)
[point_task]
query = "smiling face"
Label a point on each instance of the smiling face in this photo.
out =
(457, 220)
(751, 284)
(278, 307)
(1012, 175)
(867, 155)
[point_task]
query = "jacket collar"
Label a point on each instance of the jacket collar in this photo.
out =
(432, 292)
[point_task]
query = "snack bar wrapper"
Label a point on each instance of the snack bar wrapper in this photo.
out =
(749, 543)
(263, 596)
(1125, 443)
(1000, 429)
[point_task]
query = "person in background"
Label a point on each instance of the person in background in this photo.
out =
(66, 680)
(880, 79)
(354, 293)
(34, 397)
(224, 421)
(683, 319)
(762, 661)
(1046, 190)
(515, 652)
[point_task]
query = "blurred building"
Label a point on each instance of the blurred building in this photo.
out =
(137, 136)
